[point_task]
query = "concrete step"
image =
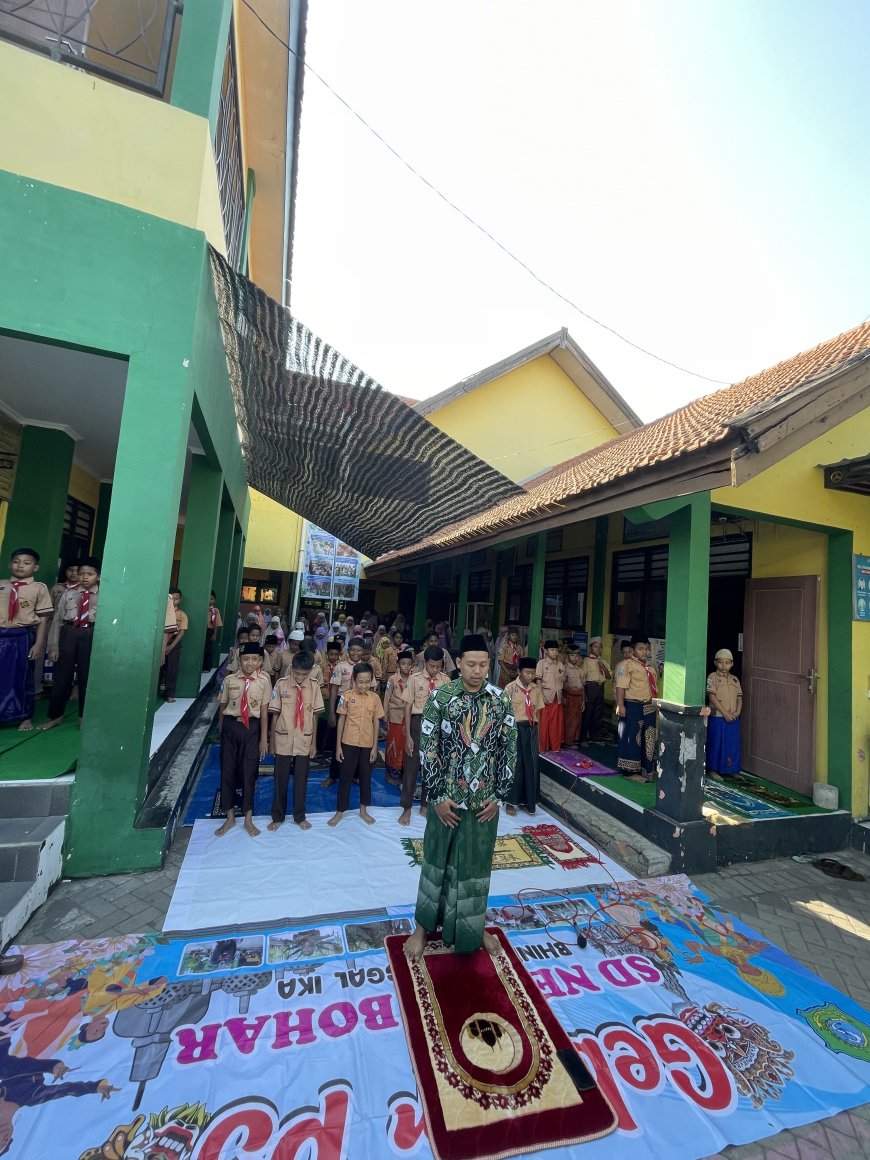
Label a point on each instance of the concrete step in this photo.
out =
(31, 862)
(624, 845)
(35, 799)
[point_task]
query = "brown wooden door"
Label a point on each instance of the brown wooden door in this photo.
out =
(779, 650)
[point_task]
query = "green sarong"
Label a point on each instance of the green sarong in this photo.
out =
(454, 879)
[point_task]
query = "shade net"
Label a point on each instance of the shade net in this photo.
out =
(324, 439)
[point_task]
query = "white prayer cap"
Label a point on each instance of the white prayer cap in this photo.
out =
(296, 634)
(724, 654)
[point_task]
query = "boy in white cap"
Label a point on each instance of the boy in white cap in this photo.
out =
(725, 696)
(294, 644)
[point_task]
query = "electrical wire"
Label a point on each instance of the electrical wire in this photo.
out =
(472, 221)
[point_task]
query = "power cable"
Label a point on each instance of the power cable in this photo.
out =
(471, 221)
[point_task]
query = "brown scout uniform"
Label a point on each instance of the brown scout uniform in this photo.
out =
(551, 675)
(34, 602)
(361, 712)
(518, 701)
(727, 690)
(417, 693)
(240, 746)
(294, 746)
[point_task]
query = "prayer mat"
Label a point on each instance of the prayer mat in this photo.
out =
(496, 1073)
(512, 852)
(737, 801)
(559, 848)
(769, 793)
(576, 762)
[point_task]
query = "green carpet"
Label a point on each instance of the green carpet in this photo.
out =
(34, 755)
(644, 793)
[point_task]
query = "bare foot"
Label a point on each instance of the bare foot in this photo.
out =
(636, 777)
(414, 944)
(227, 826)
(304, 824)
(330, 781)
(335, 819)
(53, 724)
(424, 810)
(714, 776)
(250, 827)
(491, 944)
(366, 816)
(510, 810)
(274, 826)
(25, 726)
(405, 817)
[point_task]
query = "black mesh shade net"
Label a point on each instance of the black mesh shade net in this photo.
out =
(324, 439)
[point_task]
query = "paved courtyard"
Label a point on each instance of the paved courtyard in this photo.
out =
(822, 922)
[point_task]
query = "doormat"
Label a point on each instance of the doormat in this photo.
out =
(577, 763)
(496, 1074)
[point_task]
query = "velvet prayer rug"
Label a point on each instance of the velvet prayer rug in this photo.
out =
(496, 1073)
(577, 762)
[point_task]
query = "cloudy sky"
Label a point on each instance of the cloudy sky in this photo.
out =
(692, 173)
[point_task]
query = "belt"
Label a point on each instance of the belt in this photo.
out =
(72, 624)
(594, 682)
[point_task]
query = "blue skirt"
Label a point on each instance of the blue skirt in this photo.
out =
(17, 689)
(723, 746)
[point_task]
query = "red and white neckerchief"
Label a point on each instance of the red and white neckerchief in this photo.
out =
(602, 670)
(244, 707)
(530, 708)
(299, 715)
(83, 618)
(212, 617)
(14, 606)
(432, 685)
(651, 680)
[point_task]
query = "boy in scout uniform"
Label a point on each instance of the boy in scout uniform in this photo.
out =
(635, 687)
(359, 711)
(293, 710)
(70, 641)
(272, 658)
(527, 699)
(431, 641)
(172, 655)
(725, 695)
(595, 673)
(368, 643)
(420, 688)
(214, 623)
(243, 730)
(551, 673)
(573, 693)
(391, 654)
(232, 665)
(394, 715)
(25, 609)
(339, 683)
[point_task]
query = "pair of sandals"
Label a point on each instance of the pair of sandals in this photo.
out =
(831, 867)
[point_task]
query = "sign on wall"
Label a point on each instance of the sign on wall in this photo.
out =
(332, 568)
(861, 587)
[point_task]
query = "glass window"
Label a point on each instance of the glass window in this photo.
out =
(639, 592)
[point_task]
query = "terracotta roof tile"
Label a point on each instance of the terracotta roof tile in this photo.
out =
(699, 424)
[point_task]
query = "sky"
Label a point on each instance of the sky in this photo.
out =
(693, 173)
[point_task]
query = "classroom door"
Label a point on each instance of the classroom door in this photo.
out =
(780, 679)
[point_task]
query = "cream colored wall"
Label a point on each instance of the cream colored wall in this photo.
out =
(794, 489)
(84, 487)
(74, 130)
(526, 420)
(274, 534)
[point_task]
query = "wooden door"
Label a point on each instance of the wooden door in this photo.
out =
(779, 681)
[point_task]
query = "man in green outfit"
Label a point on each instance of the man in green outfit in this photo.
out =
(468, 749)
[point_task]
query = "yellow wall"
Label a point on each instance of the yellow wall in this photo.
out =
(79, 132)
(794, 489)
(273, 536)
(525, 421)
(84, 487)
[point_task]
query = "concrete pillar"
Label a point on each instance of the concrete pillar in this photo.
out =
(223, 561)
(686, 616)
(101, 523)
(462, 603)
(841, 722)
(230, 610)
(536, 611)
(199, 62)
(112, 771)
(599, 571)
(39, 494)
(421, 603)
(205, 487)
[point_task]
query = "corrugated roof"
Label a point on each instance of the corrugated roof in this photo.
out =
(697, 425)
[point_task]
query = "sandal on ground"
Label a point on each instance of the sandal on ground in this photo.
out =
(835, 869)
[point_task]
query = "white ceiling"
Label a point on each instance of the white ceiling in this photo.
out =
(57, 386)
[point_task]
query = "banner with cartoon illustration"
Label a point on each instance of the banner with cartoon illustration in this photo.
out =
(331, 568)
(287, 1043)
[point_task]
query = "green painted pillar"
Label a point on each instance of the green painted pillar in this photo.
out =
(421, 604)
(536, 612)
(599, 572)
(101, 523)
(115, 748)
(462, 604)
(839, 674)
(199, 63)
(223, 560)
(688, 588)
(201, 519)
(38, 504)
(230, 610)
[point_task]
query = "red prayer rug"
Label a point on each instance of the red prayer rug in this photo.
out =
(496, 1072)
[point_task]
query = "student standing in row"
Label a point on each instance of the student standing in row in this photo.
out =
(340, 684)
(359, 712)
(243, 731)
(509, 658)
(214, 622)
(527, 700)
(595, 673)
(25, 609)
(293, 711)
(634, 688)
(421, 686)
(550, 673)
(725, 696)
(71, 639)
(394, 715)
(172, 657)
(573, 694)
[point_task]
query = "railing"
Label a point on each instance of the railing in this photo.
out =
(126, 41)
(228, 157)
